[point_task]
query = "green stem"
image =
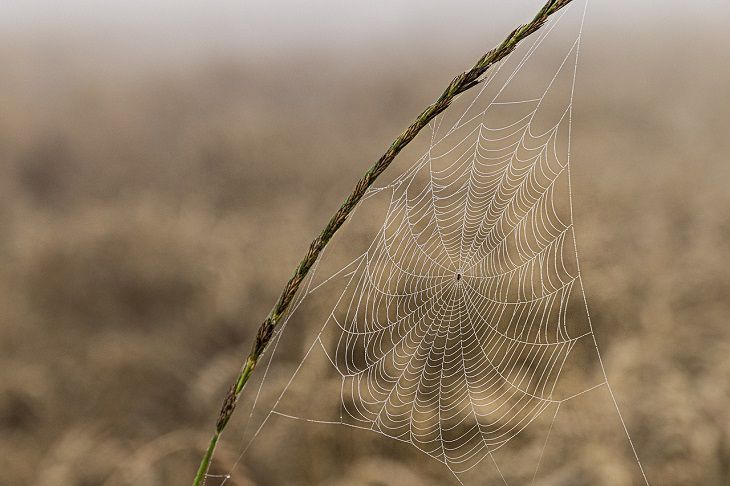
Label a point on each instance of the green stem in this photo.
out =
(458, 85)
(205, 462)
(229, 405)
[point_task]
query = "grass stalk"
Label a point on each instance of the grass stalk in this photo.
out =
(458, 85)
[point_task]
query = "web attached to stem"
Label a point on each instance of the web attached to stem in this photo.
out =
(452, 331)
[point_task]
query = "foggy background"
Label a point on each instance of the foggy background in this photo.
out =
(246, 29)
(164, 165)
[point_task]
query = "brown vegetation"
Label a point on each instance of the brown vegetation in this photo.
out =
(150, 216)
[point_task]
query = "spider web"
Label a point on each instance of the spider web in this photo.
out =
(452, 330)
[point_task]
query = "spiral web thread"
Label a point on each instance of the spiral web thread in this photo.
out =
(452, 329)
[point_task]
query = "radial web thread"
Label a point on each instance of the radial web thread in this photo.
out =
(452, 330)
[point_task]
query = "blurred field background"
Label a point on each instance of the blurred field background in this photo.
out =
(156, 190)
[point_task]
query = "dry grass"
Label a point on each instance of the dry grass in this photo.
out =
(144, 213)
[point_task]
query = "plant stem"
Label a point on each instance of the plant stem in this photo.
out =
(458, 85)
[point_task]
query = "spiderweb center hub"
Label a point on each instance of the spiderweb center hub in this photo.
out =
(458, 277)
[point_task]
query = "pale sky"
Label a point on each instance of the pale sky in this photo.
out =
(279, 25)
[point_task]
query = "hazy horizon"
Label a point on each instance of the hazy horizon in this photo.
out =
(192, 28)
